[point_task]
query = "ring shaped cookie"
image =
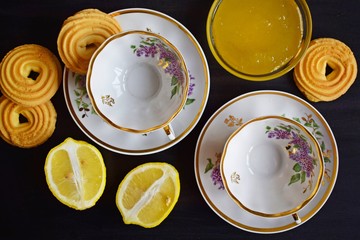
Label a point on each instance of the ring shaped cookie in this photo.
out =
(30, 75)
(311, 74)
(38, 126)
(81, 34)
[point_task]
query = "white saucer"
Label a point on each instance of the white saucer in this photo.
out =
(225, 121)
(118, 141)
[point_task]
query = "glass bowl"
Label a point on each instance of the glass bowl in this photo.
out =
(258, 40)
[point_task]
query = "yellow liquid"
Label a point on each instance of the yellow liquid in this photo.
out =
(257, 36)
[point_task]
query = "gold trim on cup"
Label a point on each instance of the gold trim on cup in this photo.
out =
(184, 90)
(295, 210)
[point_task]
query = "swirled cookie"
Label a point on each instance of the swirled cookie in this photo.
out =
(311, 75)
(26, 127)
(30, 75)
(81, 34)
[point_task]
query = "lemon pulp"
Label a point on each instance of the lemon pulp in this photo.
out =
(75, 173)
(257, 36)
(148, 193)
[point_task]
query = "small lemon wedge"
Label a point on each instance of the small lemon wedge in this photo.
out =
(148, 194)
(75, 173)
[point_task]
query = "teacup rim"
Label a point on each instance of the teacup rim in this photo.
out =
(91, 66)
(296, 209)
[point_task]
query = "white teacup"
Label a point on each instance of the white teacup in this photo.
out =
(272, 167)
(138, 82)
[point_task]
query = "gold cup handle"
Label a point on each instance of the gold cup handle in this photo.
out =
(296, 217)
(169, 132)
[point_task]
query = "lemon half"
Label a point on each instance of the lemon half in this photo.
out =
(75, 173)
(148, 193)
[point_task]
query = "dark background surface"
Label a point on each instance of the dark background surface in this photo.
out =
(29, 211)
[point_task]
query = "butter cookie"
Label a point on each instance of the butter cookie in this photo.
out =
(30, 75)
(26, 127)
(81, 34)
(326, 71)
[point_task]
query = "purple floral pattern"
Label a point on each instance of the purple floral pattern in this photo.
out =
(230, 122)
(300, 174)
(153, 47)
(190, 100)
(215, 171)
(309, 122)
(299, 151)
(149, 48)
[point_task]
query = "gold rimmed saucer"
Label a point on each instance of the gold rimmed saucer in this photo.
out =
(231, 116)
(81, 109)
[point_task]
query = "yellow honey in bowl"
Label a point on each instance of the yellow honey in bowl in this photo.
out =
(257, 36)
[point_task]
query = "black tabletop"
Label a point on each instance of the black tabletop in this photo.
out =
(29, 210)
